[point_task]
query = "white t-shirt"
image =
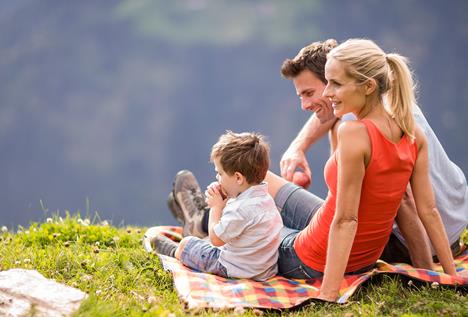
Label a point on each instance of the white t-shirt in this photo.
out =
(448, 182)
(250, 227)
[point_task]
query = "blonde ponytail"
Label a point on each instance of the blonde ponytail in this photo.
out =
(400, 96)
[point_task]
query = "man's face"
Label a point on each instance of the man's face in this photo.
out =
(309, 88)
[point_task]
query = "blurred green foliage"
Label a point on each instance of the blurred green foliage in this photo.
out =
(108, 100)
(223, 22)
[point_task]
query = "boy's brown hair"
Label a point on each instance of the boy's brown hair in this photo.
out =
(312, 57)
(246, 153)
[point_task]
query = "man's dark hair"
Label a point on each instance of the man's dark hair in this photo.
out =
(312, 57)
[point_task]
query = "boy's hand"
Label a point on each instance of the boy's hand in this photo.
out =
(217, 185)
(215, 197)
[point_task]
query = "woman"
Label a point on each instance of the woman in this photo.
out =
(367, 175)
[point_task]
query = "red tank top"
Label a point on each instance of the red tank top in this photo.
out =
(386, 177)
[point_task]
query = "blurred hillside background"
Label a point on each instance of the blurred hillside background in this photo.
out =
(102, 102)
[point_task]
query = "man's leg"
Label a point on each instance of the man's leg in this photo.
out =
(179, 214)
(275, 182)
(295, 204)
(187, 204)
(189, 209)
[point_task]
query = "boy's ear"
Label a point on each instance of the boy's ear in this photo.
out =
(240, 179)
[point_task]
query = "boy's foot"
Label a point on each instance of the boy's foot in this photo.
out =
(163, 245)
(188, 196)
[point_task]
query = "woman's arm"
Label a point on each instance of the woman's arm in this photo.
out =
(426, 206)
(353, 151)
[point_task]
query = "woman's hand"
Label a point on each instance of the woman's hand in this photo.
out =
(331, 297)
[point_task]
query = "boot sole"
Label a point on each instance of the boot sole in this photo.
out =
(174, 207)
(188, 227)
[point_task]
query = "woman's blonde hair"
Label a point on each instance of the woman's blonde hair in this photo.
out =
(365, 60)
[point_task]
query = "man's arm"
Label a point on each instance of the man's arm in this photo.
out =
(295, 156)
(414, 233)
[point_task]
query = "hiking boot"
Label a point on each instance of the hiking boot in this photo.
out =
(190, 199)
(175, 209)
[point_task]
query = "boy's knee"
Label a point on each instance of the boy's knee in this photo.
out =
(180, 248)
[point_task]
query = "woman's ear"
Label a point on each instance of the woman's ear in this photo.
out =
(370, 86)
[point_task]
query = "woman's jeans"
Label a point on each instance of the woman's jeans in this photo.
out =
(297, 207)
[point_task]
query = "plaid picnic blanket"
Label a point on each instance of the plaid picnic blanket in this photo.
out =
(202, 290)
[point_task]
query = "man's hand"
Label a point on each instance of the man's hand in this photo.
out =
(318, 125)
(292, 159)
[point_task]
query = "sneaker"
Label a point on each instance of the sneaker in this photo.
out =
(190, 199)
(163, 245)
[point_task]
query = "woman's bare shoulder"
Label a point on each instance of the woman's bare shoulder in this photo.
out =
(352, 129)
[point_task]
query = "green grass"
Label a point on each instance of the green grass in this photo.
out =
(122, 279)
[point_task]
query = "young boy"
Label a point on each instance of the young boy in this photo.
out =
(244, 223)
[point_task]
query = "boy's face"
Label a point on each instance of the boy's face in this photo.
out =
(229, 183)
(309, 88)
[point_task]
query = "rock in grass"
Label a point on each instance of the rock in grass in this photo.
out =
(25, 291)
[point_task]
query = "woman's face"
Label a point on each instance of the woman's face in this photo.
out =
(344, 92)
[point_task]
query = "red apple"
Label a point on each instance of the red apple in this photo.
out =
(223, 193)
(301, 179)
